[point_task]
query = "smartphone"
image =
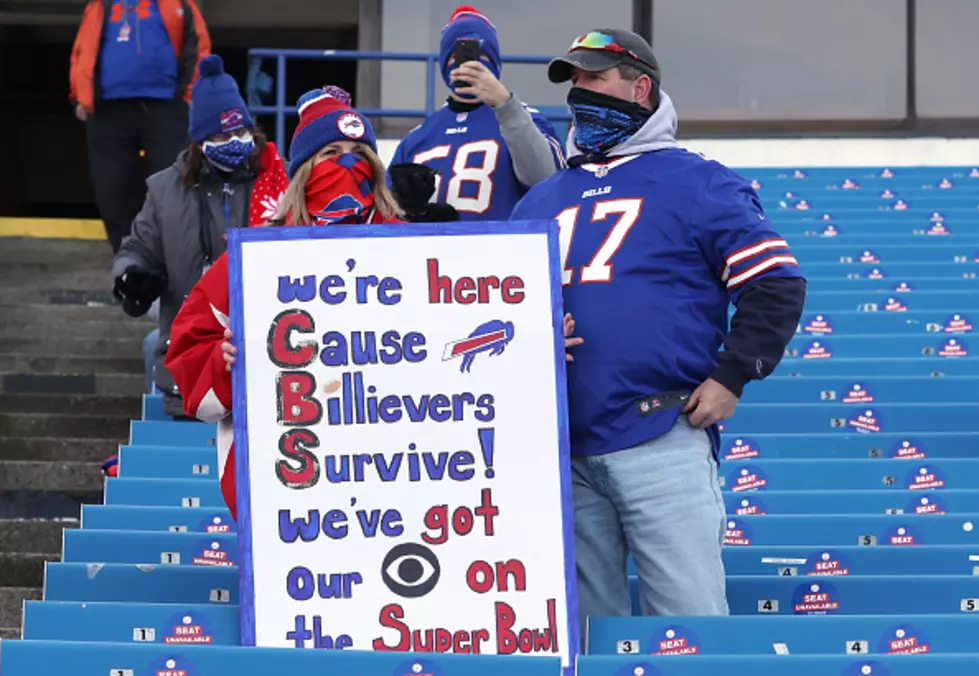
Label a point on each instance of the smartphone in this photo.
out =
(466, 49)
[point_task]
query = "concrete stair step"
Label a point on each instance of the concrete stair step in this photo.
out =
(32, 536)
(129, 384)
(24, 570)
(80, 254)
(44, 504)
(72, 404)
(57, 449)
(69, 364)
(128, 347)
(50, 476)
(43, 311)
(61, 425)
(10, 633)
(42, 326)
(12, 603)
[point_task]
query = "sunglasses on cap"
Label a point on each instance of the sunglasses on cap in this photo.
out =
(604, 43)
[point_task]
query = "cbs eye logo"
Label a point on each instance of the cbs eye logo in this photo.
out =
(410, 570)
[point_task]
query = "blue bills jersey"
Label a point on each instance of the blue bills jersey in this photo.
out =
(474, 165)
(654, 247)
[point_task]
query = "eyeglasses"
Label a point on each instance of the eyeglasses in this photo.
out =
(603, 42)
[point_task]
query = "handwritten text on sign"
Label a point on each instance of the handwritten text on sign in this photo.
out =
(405, 472)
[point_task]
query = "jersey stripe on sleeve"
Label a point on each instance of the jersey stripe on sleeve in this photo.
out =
(751, 261)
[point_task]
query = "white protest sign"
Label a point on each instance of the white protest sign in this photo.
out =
(403, 475)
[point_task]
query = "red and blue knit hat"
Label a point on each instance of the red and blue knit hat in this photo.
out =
(325, 116)
(216, 105)
(469, 23)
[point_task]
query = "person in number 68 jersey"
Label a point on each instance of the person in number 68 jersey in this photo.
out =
(476, 156)
(656, 243)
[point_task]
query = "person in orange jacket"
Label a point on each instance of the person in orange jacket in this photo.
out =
(132, 68)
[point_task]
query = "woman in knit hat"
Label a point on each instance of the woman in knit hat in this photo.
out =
(335, 173)
(228, 177)
(336, 178)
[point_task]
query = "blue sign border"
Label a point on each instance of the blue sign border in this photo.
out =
(239, 236)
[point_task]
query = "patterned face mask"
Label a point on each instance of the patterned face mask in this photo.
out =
(231, 154)
(340, 190)
(601, 122)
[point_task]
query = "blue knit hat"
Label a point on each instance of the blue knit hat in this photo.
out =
(469, 23)
(216, 105)
(325, 116)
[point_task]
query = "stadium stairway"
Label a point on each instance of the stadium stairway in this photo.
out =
(70, 381)
(850, 477)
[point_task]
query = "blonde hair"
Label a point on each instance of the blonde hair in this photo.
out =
(293, 202)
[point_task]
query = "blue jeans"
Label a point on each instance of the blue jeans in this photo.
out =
(149, 358)
(662, 502)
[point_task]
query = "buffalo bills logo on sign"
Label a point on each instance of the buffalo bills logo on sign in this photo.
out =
(232, 119)
(491, 337)
(351, 126)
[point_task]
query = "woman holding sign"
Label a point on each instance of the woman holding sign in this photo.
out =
(336, 177)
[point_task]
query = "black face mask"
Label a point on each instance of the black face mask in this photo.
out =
(601, 122)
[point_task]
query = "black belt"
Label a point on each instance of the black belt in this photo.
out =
(661, 401)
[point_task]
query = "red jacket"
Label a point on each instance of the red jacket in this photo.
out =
(198, 368)
(187, 31)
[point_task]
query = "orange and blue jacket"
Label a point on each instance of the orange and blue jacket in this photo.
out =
(184, 25)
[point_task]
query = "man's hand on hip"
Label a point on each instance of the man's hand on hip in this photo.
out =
(482, 84)
(710, 403)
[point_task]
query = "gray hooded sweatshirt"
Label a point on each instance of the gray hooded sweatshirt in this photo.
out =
(657, 133)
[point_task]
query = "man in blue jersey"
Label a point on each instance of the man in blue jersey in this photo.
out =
(481, 151)
(656, 242)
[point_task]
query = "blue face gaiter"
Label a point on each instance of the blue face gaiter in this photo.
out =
(602, 122)
(231, 154)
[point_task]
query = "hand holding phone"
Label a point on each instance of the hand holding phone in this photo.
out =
(466, 49)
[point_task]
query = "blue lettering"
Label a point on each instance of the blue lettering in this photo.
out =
(364, 348)
(290, 289)
(335, 354)
(488, 413)
(362, 284)
(300, 585)
(416, 412)
(361, 460)
(328, 296)
(435, 467)
(391, 523)
(336, 474)
(391, 340)
(413, 340)
(388, 285)
(290, 529)
(388, 472)
(458, 466)
(439, 401)
(333, 524)
(458, 403)
(301, 634)
(392, 401)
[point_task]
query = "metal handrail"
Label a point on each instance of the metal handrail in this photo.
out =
(280, 109)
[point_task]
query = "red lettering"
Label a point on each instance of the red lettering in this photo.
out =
(294, 445)
(487, 510)
(279, 343)
(390, 618)
(462, 520)
(484, 286)
(436, 519)
(294, 399)
(512, 290)
(479, 577)
(438, 640)
(466, 285)
(509, 641)
(514, 568)
(441, 288)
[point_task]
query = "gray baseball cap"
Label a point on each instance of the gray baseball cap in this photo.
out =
(604, 48)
